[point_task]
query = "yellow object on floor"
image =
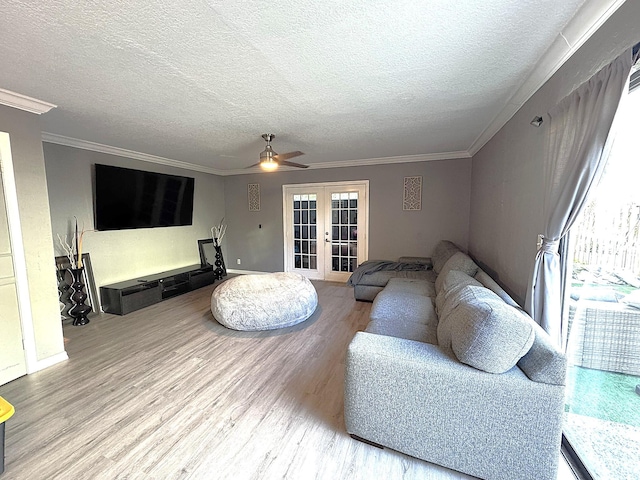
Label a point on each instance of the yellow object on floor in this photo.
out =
(6, 410)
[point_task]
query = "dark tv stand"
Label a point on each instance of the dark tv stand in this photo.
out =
(131, 295)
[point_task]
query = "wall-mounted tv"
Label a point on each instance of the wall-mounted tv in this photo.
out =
(127, 198)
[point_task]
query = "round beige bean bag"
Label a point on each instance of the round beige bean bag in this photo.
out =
(264, 302)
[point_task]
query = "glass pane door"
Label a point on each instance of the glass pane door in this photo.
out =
(305, 235)
(345, 234)
(325, 229)
(344, 231)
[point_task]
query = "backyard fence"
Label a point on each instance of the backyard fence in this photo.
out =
(608, 238)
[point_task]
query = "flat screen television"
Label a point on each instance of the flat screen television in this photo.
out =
(127, 198)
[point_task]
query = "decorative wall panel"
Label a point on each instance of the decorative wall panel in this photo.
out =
(412, 199)
(254, 197)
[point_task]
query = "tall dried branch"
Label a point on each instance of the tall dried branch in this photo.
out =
(217, 232)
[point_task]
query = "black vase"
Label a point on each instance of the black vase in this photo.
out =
(78, 310)
(221, 269)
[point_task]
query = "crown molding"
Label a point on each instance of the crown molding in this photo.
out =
(430, 157)
(22, 102)
(122, 152)
(579, 29)
(145, 157)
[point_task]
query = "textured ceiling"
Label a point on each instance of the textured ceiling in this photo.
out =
(198, 81)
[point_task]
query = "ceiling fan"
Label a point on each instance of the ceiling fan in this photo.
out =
(270, 160)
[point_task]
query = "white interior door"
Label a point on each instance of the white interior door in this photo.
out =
(303, 224)
(325, 229)
(12, 355)
(345, 232)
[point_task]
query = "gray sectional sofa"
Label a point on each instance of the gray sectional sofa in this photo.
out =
(452, 371)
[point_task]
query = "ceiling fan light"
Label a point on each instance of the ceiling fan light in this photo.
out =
(268, 165)
(271, 160)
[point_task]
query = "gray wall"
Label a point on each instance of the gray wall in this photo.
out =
(33, 206)
(507, 178)
(392, 231)
(124, 254)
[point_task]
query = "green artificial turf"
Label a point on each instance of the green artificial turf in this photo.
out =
(605, 395)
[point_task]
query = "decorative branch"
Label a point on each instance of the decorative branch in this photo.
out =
(217, 232)
(68, 249)
(73, 249)
(79, 244)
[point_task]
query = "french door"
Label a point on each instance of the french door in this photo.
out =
(326, 229)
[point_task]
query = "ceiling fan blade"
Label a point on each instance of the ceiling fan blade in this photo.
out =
(254, 165)
(286, 156)
(292, 164)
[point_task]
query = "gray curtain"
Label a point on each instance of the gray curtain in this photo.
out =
(577, 151)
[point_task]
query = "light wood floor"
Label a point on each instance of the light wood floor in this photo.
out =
(167, 392)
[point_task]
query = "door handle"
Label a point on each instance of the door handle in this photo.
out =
(327, 240)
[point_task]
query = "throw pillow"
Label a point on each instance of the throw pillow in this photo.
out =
(490, 335)
(544, 362)
(596, 294)
(492, 285)
(453, 281)
(458, 261)
(456, 296)
(443, 251)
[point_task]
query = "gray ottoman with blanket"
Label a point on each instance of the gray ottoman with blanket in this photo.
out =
(264, 302)
(373, 275)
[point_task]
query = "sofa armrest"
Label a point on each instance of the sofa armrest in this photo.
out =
(415, 398)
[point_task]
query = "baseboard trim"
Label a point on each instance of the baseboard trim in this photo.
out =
(245, 272)
(47, 362)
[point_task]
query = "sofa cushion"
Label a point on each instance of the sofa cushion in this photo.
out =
(453, 282)
(458, 261)
(492, 285)
(544, 362)
(393, 306)
(489, 335)
(454, 297)
(408, 330)
(366, 293)
(443, 251)
(411, 285)
(381, 278)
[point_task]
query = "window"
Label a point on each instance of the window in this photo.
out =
(602, 408)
